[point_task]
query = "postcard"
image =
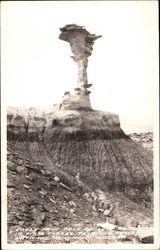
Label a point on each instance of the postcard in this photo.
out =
(80, 166)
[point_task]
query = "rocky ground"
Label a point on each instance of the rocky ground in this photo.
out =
(51, 207)
(144, 139)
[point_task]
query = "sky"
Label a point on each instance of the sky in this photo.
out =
(123, 68)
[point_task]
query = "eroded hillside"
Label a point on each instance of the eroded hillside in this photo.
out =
(69, 168)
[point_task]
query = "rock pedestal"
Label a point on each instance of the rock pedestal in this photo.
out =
(81, 42)
(76, 102)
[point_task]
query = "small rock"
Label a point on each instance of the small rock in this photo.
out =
(53, 184)
(144, 224)
(93, 208)
(26, 199)
(27, 223)
(148, 239)
(56, 178)
(25, 209)
(15, 178)
(26, 186)
(21, 222)
(86, 195)
(72, 211)
(65, 187)
(11, 166)
(134, 223)
(43, 192)
(40, 218)
(52, 200)
(43, 207)
(39, 187)
(63, 207)
(43, 172)
(32, 176)
(40, 164)
(48, 185)
(10, 192)
(54, 195)
(107, 212)
(56, 223)
(64, 216)
(21, 169)
(19, 216)
(94, 196)
(24, 237)
(100, 210)
(95, 214)
(51, 210)
(87, 222)
(112, 220)
(35, 211)
(14, 222)
(90, 200)
(20, 162)
(57, 165)
(41, 233)
(66, 198)
(72, 204)
(133, 194)
(9, 157)
(10, 184)
(106, 225)
(48, 172)
(67, 240)
(126, 221)
(32, 201)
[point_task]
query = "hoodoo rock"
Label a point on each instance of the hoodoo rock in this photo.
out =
(81, 42)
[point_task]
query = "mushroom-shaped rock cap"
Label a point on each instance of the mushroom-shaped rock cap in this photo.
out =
(74, 27)
(69, 28)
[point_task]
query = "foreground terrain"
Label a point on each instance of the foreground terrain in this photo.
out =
(76, 179)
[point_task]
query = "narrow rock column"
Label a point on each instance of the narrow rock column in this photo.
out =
(77, 43)
(81, 42)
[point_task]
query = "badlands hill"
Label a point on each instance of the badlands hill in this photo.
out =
(75, 168)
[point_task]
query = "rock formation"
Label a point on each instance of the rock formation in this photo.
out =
(97, 149)
(81, 42)
(80, 150)
(81, 140)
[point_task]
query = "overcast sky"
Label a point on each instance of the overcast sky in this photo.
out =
(37, 68)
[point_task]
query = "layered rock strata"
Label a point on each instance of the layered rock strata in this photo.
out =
(88, 143)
